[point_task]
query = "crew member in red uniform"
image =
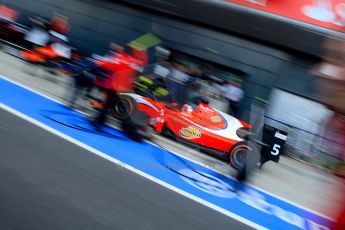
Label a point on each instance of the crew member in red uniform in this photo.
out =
(59, 24)
(121, 72)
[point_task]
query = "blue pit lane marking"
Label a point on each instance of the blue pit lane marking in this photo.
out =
(250, 204)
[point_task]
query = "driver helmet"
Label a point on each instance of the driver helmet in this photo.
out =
(187, 108)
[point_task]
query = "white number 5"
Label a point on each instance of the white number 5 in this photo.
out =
(275, 151)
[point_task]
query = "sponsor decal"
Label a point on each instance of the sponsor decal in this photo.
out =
(153, 121)
(216, 119)
(280, 136)
(329, 14)
(190, 132)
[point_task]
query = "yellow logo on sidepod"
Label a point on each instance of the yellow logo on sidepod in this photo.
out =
(190, 132)
(216, 119)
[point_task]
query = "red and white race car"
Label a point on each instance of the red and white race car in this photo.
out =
(211, 130)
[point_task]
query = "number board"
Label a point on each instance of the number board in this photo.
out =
(275, 139)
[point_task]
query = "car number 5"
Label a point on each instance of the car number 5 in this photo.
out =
(161, 112)
(276, 149)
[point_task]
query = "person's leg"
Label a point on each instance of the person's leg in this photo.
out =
(180, 94)
(88, 91)
(235, 108)
(101, 117)
(230, 108)
(250, 165)
(89, 83)
(76, 91)
(172, 91)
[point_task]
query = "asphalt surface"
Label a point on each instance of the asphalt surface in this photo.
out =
(50, 183)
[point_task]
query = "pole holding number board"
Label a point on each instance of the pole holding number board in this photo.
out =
(270, 139)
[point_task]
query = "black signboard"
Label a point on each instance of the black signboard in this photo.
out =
(275, 141)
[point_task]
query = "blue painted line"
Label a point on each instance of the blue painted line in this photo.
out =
(250, 203)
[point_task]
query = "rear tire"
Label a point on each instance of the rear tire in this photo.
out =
(238, 155)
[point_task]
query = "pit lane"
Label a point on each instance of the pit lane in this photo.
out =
(182, 150)
(50, 183)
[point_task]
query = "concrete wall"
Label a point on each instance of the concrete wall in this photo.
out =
(95, 23)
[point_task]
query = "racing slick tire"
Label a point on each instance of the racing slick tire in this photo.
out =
(136, 127)
(123, 108)
(238, 155)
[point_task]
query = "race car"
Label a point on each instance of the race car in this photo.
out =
(198, 124)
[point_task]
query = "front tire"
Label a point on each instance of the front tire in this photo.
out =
(136, 126)
(123, 108)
